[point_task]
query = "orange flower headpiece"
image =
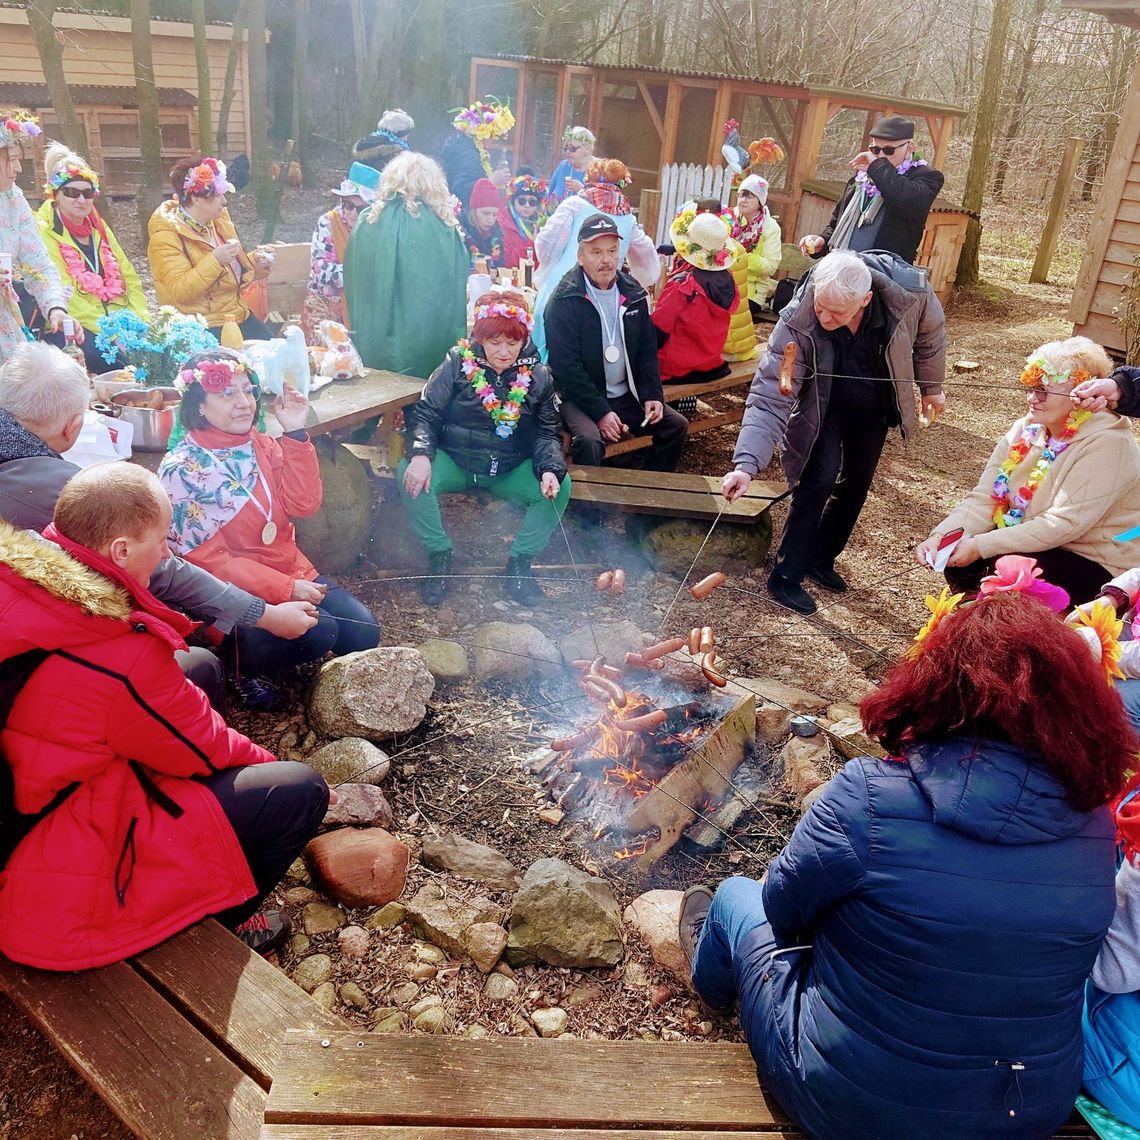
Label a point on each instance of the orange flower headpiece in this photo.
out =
(1039, 372)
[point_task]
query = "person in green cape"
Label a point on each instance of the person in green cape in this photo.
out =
(405, 271)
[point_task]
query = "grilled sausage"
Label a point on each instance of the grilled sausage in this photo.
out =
(641, 723)
(708, 639)
(604, 580)
(708, 667)
(568, 743)
(615, 691)
(695, 640)
(618, 585)
(706, 585)
(787, 368)
(662, 647)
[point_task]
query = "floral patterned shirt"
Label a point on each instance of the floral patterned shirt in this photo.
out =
(326, 274)
(32, 267)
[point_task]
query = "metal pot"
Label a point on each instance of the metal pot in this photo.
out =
(108, 383)
(152, 425)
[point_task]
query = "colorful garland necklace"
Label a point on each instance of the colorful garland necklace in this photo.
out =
(505, 415)
(106, 286)
(1010, 510)
(870, 190)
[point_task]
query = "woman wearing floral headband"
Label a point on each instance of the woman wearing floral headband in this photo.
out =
(1060, 484)
(85, 251)
(577, 154)
(487, 418)
(234, 491)
(23, 259)
(197, 260)
(520, 218)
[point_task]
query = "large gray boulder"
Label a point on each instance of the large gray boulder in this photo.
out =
(372, 694)
(514, 651)
(565, 917)
(673, 543)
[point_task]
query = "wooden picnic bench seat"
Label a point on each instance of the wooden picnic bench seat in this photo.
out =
(182, 1041)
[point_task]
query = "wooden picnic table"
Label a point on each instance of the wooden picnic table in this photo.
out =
(349, 403)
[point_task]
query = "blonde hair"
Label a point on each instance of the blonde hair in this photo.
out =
(108, 501)
(415, 178)
(57, 154)
(1078, 353)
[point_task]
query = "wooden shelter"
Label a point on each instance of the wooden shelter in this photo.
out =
(1112, 253)
(651, 117)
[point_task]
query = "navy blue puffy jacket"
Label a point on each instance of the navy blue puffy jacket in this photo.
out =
(954, 904)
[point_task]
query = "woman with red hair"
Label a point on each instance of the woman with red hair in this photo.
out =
(487, 418)
(915, 960)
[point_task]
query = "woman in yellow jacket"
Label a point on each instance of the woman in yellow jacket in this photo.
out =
(197, 261)
(84, 250)
(759, 233)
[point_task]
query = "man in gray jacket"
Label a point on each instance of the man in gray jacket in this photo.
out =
(43, 399)
(866, 326)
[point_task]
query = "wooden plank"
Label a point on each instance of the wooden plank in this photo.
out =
(247, 1005)
(157, 1073)
(516, 1082)
(695, 426)
(642, 500)
(420, 1132)
(651, 108)
(770, 490)
(346, 403)
(711, 387)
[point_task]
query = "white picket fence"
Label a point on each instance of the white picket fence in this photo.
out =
(681, 182)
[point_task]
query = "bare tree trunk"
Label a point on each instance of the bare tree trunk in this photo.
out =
(239, 23)
(301, 83)
(151, 189)
(40, 13)
(202, 60)
(989, 99)
(260, 177)
(1017, 111)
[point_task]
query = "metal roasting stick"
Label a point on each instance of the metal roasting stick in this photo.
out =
(577, 573)
(700, 551)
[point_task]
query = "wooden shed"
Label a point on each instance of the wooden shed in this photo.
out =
(651, 117)
(1112, 254)
(99, 65)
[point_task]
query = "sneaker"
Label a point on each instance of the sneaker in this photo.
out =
(791, 595)
(827, 577)
(265, 931)
(695, 903)
(520, 585)
(257, 693)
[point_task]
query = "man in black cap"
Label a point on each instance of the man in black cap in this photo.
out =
(885, 203)
(603, 354)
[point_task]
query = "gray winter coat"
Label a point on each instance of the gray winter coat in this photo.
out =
(915, 354)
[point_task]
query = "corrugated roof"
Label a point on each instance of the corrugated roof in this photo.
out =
(95, 10)
(1125, 12)
(35, 96)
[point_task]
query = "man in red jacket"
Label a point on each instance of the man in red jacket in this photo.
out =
(146, 812)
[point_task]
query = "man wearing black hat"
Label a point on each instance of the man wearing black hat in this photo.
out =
(603, 354)
(885, 203)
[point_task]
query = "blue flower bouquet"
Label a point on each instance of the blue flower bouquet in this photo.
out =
(155, 350)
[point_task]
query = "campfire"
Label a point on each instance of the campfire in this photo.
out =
(646, 763)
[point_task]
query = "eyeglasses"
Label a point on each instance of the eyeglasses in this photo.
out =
(350, 207)
(253, 394)
(570, 148)
(526, 200)
(78, 192)
(887, 150)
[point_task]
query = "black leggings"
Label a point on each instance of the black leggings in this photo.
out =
(1081, 578)
(274, 809)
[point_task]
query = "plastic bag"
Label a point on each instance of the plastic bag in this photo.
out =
(335, 355)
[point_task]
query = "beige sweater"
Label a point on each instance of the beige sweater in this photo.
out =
(1091, 493)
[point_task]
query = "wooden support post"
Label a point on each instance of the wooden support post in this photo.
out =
(1048, 244)
(648, 210)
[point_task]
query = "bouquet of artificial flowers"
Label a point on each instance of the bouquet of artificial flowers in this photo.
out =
(155, 350)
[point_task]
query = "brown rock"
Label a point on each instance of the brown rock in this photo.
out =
(777, 692)
(470, 860)
(444, 918)
(805, 764)
(812, 796)
(655, 916)
(772, 723)
(850, 740)
(485, 942)
(359, 805)
(359, 868)
(353, 941)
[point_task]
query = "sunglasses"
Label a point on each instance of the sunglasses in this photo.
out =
(887, 150)
(77, 192)
(526, 200)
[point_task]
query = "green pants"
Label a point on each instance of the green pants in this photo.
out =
(518, 485)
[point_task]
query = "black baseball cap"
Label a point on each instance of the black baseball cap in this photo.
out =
(596, 226)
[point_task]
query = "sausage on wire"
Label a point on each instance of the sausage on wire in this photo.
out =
(652, 652)
(604, 580)
(708, 667)
(787, 369)
(615, 691)
(569, 743)
(708, 639)
(618, 586)
(641, 723)
(638, 661)
(695, 640)
(706, 585)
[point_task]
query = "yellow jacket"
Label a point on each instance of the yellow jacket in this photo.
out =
(740, 344)
(187, 276)
(763, 262)
(86, 308)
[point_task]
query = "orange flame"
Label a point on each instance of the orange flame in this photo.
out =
(631, 852)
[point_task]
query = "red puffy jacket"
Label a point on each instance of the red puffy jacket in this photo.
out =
(139, 850)
(696, 328)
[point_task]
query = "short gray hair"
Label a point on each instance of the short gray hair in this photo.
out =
(43, 388)
(842, 276)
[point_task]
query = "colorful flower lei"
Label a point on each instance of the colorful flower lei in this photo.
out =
(16, 124)
(941, 607)
(71, 171)
(1039, 372)
(106, 286)
(1102, 620)
(213, 375)
(208, 177)
(505, 415)
(868, 184)
(512, 312)
(1009, 512)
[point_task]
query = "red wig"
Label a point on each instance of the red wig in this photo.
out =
(1005, 668)
(497, 324)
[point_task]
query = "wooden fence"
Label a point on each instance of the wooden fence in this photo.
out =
(682, 182)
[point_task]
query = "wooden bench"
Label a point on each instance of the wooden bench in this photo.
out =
(669, 493)
(182, 1041)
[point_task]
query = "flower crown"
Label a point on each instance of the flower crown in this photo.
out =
(213, 375)
(576, 134)
(512, 312)
(16, 124)
(527, 184)
(487, 119)
(1040, 373)
(71, 170)
(208, 177)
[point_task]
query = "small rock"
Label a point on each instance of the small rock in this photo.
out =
(405, 993)
(288, 740)
(772, 723)
(372, 694)
(352, 994)
(353, 941)
(432, 1020)
(812, 796)
(325, 995)
(521, 1027)
(655, 916)
(804, 762)
(634, 976)
(777, 692)
(850, 740)
(443, 918)
(321, 917)
(389, 1020)
(477, 1031)
(359, 805)
(296, 896)
(422, 971)
(500, 988)
(672, 1035)
(485, 942)
(446, 660)
(426, 952)
(359, 868)
(582, 995)
(550, 1022)
(551, 815)
(350, 761)
(966, 366)
(299, 945)
(470, 860)
(705, 1028)
(298, 872)
(313, 971)
(387, 917)
(428, 1001)
(514, 651)
(659, 995)
(841, 710)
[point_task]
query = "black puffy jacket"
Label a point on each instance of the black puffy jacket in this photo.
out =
(451, 416)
